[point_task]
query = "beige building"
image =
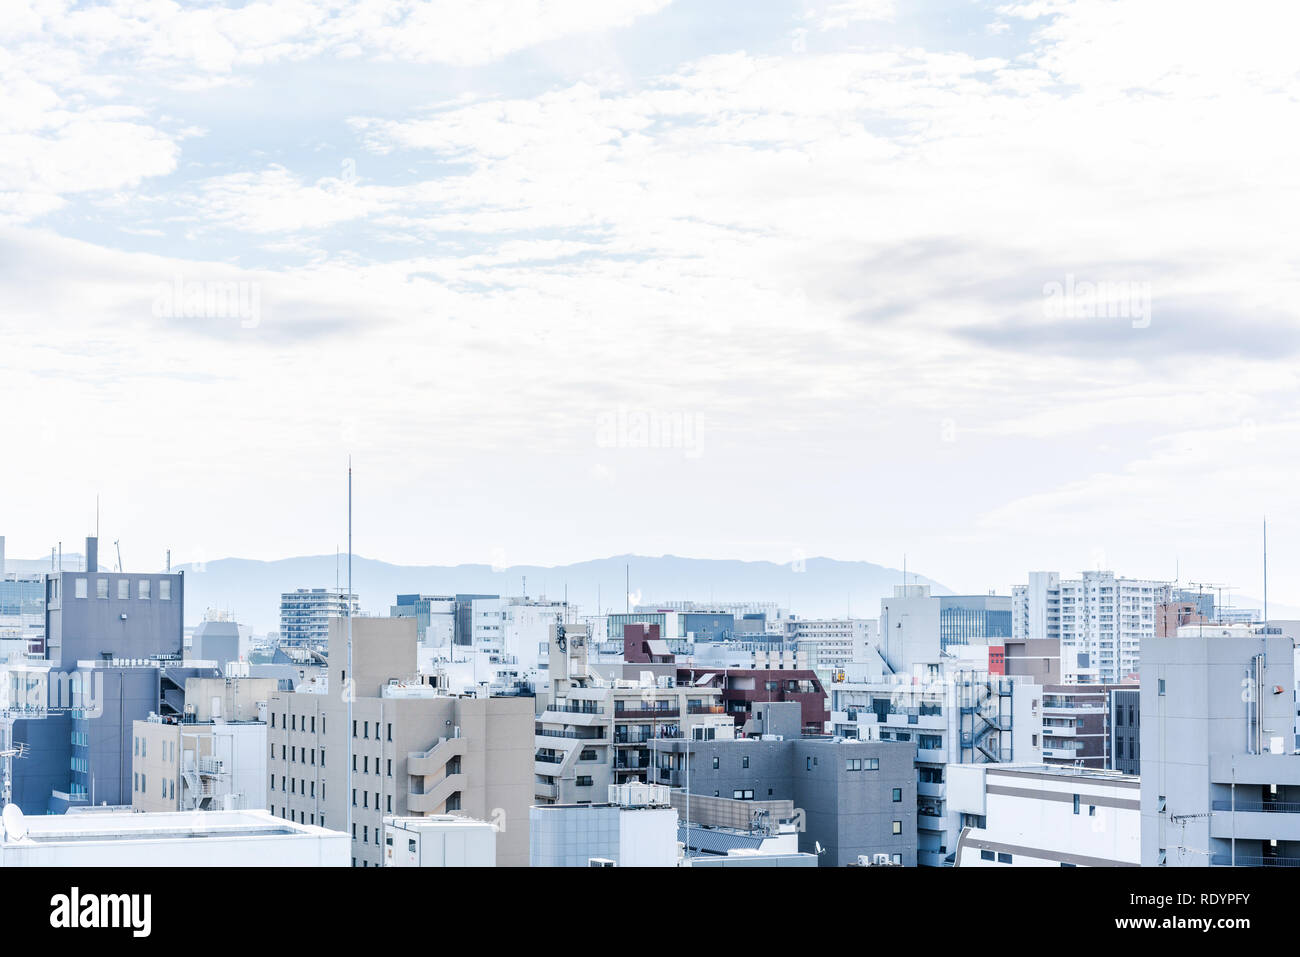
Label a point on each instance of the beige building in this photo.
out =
(414, 748)
(215, 759)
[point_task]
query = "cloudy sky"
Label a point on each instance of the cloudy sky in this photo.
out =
(997, 285)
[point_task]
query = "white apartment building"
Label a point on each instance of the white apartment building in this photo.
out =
(1045, 816)
(305, 615)
(944, 701)
(831, 643)
(1099, 619)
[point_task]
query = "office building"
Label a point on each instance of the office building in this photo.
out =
(964, 619)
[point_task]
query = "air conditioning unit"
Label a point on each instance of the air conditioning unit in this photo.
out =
(601, 862)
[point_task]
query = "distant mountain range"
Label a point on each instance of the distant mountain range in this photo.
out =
(250, 590)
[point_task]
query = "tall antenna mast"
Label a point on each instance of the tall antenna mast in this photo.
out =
(347, 689)
(1266, 570)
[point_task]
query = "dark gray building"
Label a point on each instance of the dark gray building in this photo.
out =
(852, 797)
(1126, 730)
(114, 644)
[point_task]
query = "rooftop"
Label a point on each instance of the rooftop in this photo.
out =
(121, 825)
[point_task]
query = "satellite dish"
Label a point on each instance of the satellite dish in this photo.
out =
(15, 826)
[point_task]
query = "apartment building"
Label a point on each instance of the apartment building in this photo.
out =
(831, 643)
(384, 741)
(1042, 816)
(1100, 619)
(1220, 775)
(305, 615)
(742, 688)
(597, 731)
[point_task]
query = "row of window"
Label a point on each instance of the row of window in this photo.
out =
(142, 744)
(144, 588)
(297, 786)
(139, 785)
(294, 753)
(300, 817)
(290, 722)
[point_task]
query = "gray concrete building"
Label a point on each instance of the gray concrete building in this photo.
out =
(408, 749)
(1220, 778)
(853, 798)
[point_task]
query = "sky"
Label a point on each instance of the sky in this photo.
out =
(995, 286)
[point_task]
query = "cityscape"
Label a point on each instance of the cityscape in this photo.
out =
(856, 439)
(1095, 721)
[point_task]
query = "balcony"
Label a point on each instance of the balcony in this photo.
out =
(1226, 860)
(1256, 821)
(928, 789)
(661, 714)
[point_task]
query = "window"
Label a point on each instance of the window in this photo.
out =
(1004, 858)
(123, 589)
(897, 795)
(744, 762)
(142, 589)
(390, 767)
(853, 764)
(986, 855)
(715, 763)
(1092, 810)
(1161, 689)
(584, 781)
(81, 588)
(746, 795)
(898, 827)
(164, 589)
(390, 731)
(1076, 804)
(809, 766)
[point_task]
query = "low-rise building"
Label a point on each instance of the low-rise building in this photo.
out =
(118, 838)
(439, 840)
(636, 827)
(1045, 816)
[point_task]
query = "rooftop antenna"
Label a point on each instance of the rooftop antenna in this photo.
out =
(347, 690)
(118, 545)
(1266, 571)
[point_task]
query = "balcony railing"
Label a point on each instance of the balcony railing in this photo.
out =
(596, 735)
(1227, 860)
(1273, 807)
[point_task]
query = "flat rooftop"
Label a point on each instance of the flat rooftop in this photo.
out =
(115, 825)
(1061, 770)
